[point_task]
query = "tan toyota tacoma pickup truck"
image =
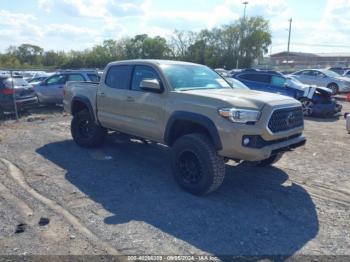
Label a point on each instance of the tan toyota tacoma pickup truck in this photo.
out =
(190, 108)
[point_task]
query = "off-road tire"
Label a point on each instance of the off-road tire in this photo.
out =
(211, 166)
(269, 161)
(94, 135)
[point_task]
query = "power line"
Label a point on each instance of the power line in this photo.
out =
(309, 44)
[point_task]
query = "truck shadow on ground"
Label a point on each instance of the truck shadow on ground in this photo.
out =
(253, 213)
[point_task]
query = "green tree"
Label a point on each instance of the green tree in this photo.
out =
(143, 46)
(245, 40)
(29, 54)
(180, 42)
(255, 41)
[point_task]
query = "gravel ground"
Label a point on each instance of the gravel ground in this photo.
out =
(122, 198)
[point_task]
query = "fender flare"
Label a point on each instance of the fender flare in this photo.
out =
(86, 102)
(195, 118)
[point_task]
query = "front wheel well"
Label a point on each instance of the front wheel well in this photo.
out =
(185, 127)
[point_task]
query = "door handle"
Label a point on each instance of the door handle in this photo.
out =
(130, 99)
(102, 94)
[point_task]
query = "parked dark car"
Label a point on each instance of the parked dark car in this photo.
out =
(22, 91)
(316, 101)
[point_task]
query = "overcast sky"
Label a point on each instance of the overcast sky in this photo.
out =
(318, 25)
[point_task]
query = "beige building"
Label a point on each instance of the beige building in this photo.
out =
(307, 60)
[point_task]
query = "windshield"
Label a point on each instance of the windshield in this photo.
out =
(189, 77)
(330, 73)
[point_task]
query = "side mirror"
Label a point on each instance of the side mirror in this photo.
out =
(151, 85)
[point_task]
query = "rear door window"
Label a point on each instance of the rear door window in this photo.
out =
(306, 73)
(278, 81)
(56, 80)
(262, 78)
(93, 77)
(118, 77)
(76, 77)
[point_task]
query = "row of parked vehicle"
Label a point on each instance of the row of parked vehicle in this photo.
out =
(314, 88)
(43, 88)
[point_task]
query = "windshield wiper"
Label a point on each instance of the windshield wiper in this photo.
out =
(195, 88)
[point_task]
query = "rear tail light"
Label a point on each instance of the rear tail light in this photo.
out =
(7, 91)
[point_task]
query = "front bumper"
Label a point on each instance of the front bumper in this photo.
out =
(258, 154)
(232, 136)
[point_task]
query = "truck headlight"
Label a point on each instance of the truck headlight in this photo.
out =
(238, 115)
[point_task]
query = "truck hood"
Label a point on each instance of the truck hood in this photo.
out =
(243, 98)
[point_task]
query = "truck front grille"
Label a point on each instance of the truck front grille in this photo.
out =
(285, 119)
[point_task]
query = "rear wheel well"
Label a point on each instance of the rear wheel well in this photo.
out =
(332, 84)
(184, 127)
(334, 87)
(78, 106)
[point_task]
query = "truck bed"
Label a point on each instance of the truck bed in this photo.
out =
(85, 90)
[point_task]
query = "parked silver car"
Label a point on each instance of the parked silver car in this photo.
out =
(50, 91)
(325, 78)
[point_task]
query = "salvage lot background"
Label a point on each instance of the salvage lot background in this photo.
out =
(125, 199)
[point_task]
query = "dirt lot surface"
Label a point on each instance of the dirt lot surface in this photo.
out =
(122, 198)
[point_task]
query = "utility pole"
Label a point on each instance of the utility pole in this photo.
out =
(244, 12)
(290, 29)
(245, 6)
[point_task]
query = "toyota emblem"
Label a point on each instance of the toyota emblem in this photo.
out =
(290, 119)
